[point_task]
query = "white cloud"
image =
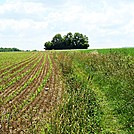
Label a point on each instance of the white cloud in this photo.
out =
(103, 21)
(22, 25)
(22, 7)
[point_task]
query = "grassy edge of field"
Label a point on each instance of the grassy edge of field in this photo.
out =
(109, 123)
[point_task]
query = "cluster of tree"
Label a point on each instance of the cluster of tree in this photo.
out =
(9, 49)
(69, 41)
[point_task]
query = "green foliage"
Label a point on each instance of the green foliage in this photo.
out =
(69, 41)
(9, 49)
(48, 45)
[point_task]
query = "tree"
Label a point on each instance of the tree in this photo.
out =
(69, 41)
(48, 45)
(86, 45)
(57, 41)
(9, 49)
(80, 41)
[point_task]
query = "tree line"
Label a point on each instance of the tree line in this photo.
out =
(69, 41)
(9, 49)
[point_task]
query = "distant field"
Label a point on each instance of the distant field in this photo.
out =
(61, 92)
(127, 51)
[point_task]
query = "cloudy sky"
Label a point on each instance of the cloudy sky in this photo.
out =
(27, 24)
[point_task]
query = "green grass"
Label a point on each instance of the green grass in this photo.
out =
(99, 92)
(125, 51)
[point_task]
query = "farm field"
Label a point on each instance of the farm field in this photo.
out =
(62, 92)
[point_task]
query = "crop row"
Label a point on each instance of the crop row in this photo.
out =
(10, 60)
(34, 92)
(11, 93)
(25, 82)
(14, 67)
(22, 73)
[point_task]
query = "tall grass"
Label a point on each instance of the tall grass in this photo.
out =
(99, 93)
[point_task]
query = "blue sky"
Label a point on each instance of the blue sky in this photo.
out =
(28, 24)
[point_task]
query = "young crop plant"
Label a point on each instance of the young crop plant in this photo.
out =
(15, 77)
(29, 81)
(14, 80)
(40, 88)
(10, 60)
